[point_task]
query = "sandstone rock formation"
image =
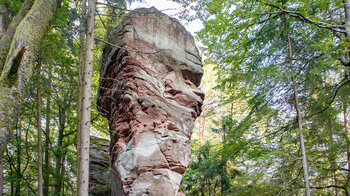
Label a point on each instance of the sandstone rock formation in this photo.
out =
(149, 93)
(99, 168)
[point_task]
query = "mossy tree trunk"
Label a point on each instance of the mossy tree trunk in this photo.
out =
(3, 28)
(19, 48)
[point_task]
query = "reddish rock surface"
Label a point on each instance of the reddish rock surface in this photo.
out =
(149, 93)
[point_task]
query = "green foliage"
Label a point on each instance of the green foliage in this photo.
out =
(248, 41)
(208, 171)
(59, 57)
(13, 6)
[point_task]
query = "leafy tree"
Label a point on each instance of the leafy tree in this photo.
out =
(248, 40)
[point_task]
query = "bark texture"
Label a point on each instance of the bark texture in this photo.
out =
(82, 35)
(6, 39)
(20, 49)
(149, 92)
(84, 134)
(3, 28)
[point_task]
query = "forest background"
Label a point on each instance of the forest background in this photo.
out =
(276, 115)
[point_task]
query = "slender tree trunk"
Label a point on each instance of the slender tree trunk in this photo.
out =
(12, 184)
(59, 152)
(3, 19)
(47, 139)
(348, 176)
(336, 193)
(58, 167)
(209, 190)
(344, 56)
(18, 167)
(83, 170)
(333, 161)
(203, 127)
(347, 17)
(82, 35)
(300, 122)
(347, 182)
(40, 151)
(63, 171)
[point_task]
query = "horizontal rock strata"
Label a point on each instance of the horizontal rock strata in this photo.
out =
(149, 93)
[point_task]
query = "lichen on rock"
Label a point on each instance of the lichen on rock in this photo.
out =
(149, 93)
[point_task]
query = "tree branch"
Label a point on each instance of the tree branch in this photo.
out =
(324, 25)
(331, 102)
(327, 187)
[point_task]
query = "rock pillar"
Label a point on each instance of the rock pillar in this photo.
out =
(149, 93)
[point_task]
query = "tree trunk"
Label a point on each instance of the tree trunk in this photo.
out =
(12, 184)
(47, 139)
(23, 48)
(3, 19)
(203, 127)
(3, 28)
(82, 35)
(83, 167)
(348, 176)
(300, 122)
(18, 161)
(347, 18)
(346, 127)
(3, 10)
(63, 174)
(60, 150)
(40, 151)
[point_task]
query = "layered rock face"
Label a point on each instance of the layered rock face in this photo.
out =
(149, 93)
(99, 167)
